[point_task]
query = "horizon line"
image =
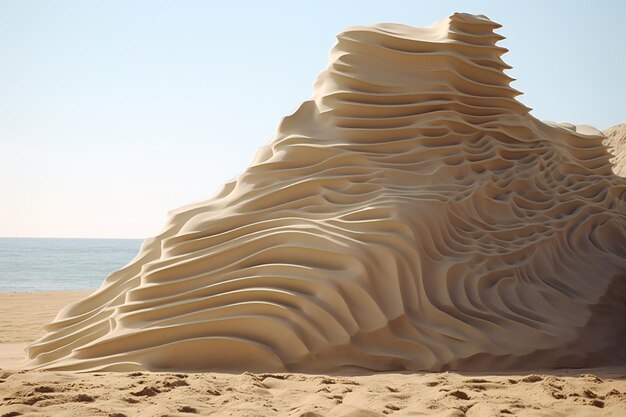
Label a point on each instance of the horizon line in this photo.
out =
(72, 237)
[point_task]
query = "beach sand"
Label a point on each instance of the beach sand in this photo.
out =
(565, 392)
(23, 315)
(410, 215)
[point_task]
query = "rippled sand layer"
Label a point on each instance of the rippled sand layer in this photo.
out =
(616, 142)
(411, 216)
(563, 392)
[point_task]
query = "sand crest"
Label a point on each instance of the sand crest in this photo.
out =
(411, 216)
(616, 142)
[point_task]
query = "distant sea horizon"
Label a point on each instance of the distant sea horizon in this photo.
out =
(56, 264)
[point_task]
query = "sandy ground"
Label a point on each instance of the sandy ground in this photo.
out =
(573, 392)
(22, 317)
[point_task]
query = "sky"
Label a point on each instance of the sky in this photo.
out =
(113, 113)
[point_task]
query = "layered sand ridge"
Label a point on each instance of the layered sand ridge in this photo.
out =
(411, 215)
(616, 142)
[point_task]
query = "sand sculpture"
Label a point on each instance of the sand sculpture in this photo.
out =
(410, 215)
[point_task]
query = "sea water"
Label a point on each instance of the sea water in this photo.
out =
(34, 264)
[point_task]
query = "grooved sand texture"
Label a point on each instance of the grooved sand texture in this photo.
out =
(616, 142)
(411, 215)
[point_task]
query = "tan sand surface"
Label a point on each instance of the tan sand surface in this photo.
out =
(22, 319)
(595, 392)
(24, 314)
(616, 142)
(412, 215)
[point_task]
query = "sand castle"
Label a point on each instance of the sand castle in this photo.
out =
(411, 216)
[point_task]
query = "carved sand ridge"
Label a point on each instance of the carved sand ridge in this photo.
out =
(616, 142)
(411, 215)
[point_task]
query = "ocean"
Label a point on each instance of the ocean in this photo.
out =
(38, 264)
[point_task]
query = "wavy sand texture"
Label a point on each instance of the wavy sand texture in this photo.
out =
(616, 142)
(411, 215)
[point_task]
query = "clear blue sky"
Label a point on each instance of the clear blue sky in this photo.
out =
(114, 112)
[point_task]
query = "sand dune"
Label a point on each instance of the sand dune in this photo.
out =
(411, 216)
(616, 142)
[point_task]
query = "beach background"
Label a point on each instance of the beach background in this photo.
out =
(55, 264)
(112, 114)
(40, 276)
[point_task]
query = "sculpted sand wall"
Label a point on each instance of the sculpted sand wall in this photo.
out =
(411, 215)
(616, 142)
